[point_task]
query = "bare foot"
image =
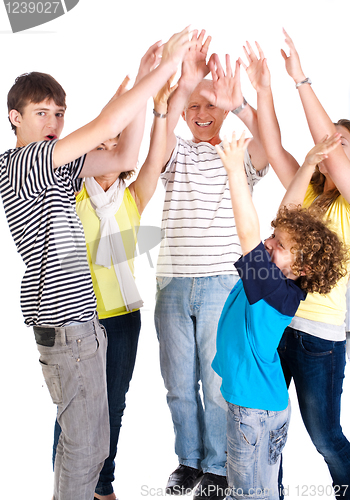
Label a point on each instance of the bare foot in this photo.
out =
(106, 497)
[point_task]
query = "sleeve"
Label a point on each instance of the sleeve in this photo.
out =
(253, 175)
(262, 279)
(30, 169)
(165, 175)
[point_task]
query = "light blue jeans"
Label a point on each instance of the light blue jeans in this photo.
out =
(73, 360)
(255, 440)
(186, 319)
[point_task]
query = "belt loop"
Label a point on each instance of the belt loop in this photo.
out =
(63, 336)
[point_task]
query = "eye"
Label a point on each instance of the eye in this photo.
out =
(41, 113)
(60, 115)
(100, 148)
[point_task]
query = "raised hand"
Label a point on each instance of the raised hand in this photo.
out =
(176, 47)
(150, 60)
(320, 151)
(194, 66)
(121, 90)
(226, 93)
(257, 70)
(232, 156)
(292, 61)
(161, 99)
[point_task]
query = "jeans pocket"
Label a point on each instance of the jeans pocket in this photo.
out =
(53, 381)
(314, 346)
(277, 440)
(163, 281)
(86, 347)
(227, 281)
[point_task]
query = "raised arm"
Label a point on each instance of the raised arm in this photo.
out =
(297, 189)
(142, 189)
(246, 217)
(227, 94)
(120, 112)
(283, 163)
(337, 163)
(128, 147)
(194, 69)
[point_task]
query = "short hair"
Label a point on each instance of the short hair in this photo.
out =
(34, 87)
(318, 251)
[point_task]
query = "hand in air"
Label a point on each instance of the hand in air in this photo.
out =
(150, 60)
(320, 151)
(161, 99)
(176, 48)
(232, 154)
(194, 66)
(257, 70)
(226, 93)
(292, 61)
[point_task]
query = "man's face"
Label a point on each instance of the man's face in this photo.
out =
(203, 119)
(41, 121)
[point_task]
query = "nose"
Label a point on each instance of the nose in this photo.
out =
(269, 244)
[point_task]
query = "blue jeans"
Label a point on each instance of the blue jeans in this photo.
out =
(123, 334)
(255, 439)
(317, 367)
(73, 360)
(186, 319)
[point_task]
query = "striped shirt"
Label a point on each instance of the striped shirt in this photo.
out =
(200, 237)
(39, 203)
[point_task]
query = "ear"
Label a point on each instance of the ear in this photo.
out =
(226, 113)
(183, 114)
(15, 117)
(305, 271)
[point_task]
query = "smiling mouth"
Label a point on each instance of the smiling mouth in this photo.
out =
(203, 124)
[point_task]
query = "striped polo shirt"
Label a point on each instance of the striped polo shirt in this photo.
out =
(200, 237)
(39, 203)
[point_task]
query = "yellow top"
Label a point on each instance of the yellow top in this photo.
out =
(106, 287)
(329, 308)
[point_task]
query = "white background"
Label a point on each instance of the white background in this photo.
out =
(89, 51)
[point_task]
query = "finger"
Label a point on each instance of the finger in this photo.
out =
(226, 144)
(122, 87)
(228, 65)
(241, 62)
(284, 55)
(219, 68)
(240, 141)
(212, 67)
(251, 51)
(247, 54)
(205, 46)
(201, 37)
(210, 96)
(261, 53)
(237, 74)
(220, 151)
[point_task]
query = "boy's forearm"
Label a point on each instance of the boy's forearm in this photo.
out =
(246, 217)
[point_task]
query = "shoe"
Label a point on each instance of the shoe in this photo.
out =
(182, 480)
(211, 487)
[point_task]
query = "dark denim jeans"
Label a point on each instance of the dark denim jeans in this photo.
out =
(317, 367)
(123, 334)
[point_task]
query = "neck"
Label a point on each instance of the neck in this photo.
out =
(105, 181)
(213, 141)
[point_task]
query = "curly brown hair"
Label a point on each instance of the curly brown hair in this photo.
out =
(318, 251)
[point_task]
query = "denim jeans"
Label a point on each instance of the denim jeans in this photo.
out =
(255, 439)
(317, 367)
(123, 335)
(74, 367)
(186, 319)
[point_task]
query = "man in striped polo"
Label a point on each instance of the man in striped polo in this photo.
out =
(195, 271)
(37, 182)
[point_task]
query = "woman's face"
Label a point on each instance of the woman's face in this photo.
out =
(345, 139)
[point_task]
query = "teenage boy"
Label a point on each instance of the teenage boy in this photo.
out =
(38, 181)
(195, 266)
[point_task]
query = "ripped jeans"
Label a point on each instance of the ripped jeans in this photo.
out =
(255, 439)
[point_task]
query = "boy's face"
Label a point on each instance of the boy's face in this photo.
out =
(41, 121)
(279, 247)
(203, 119)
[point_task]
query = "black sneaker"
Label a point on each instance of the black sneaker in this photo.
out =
(183, 480)
(211, 487)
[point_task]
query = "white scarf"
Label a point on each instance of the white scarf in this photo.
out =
(111, 247)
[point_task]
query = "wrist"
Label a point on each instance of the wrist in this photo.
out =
(157, 114)
(239, 109)
(299, 78)
(303, 82)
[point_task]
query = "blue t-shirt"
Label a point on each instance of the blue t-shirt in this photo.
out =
(258, 309)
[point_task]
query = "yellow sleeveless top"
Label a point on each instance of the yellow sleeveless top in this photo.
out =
(329, 308)
(106, 287)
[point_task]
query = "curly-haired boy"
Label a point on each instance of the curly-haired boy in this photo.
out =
(302, 255)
